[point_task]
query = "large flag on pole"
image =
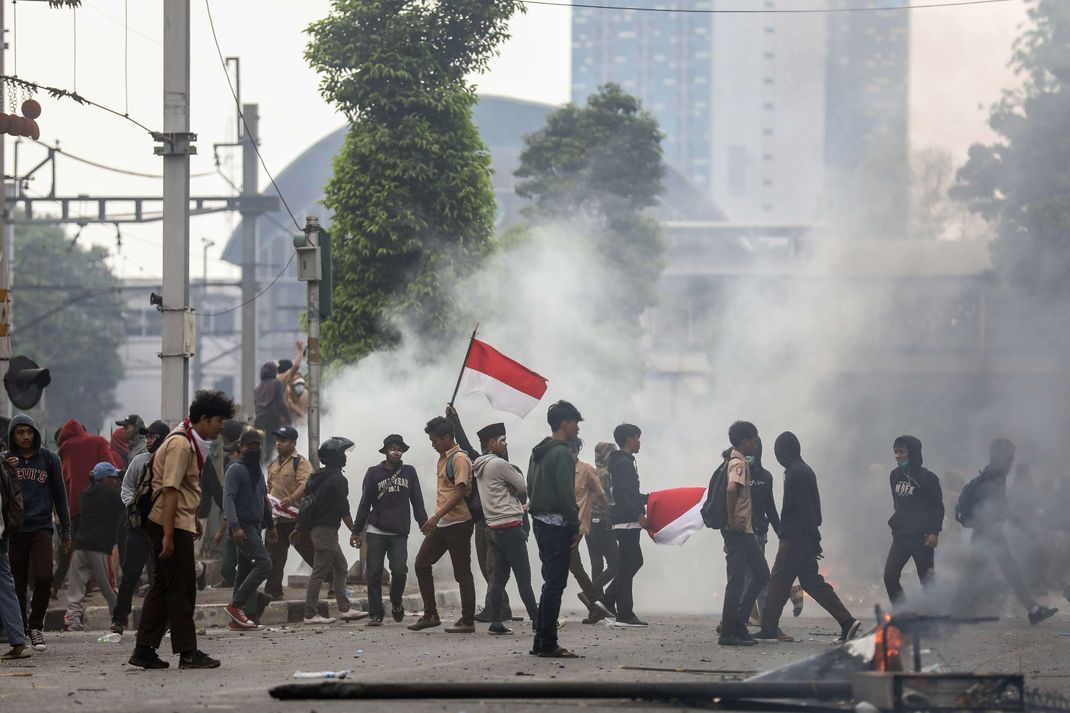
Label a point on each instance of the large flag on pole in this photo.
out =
(508, 385)
(675, 514)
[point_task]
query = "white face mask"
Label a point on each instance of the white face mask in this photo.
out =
(299, 388)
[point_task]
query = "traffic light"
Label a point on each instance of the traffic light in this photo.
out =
(25, 382)
(314, 264)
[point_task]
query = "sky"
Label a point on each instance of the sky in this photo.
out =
(110, 51)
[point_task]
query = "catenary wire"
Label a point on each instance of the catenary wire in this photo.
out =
(113, 169)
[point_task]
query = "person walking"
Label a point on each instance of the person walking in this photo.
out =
(764, 516)
(324, 508)
(449, 529)
(11, 515)
(555, 521)
(390, 499)
(44, 494)
(501, 488)
(288, 475)
(248, 513)
(917, 520)
(103, 509)
(800, 547)
(629, 520)
(601, 542)
(589, 495)
(172, 527)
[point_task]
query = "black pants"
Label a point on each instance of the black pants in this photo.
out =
(381, 547)
(31, 561)
(486, 566)
(991, 542)
(507, 551)
(173, 597)
(796, 557)
(62, 559)
(137, 553)
(743, 556)
(555, 553)
(602, 547)
(279, 552)
(903, 549)
(619, 592)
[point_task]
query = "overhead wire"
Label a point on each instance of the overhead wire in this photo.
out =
(765, 11)
(57, 93)
(113, 169)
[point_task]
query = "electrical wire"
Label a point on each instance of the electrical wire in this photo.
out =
(255, 297)
(113, 169)
(769, 11)
(223, 62)
(126, 54)
(57, 93)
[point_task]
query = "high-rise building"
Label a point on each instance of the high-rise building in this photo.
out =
(662, 58)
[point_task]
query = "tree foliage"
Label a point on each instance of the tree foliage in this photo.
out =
(601, 163)
(68, 318)
(1021, 183)
(411, 192)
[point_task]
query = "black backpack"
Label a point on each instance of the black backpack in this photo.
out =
(966, 507)
(715, 509)
(137, 512)
(471, 498)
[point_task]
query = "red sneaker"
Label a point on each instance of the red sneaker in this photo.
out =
(238, 617)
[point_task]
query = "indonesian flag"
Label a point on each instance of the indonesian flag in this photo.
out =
(282, 513)
(675, 514)
(508, 385)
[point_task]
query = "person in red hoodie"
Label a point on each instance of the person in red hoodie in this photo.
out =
(79, 452)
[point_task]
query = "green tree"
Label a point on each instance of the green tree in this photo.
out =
(68, 317)
(601, 164)
(411, 193)
(1021, 183)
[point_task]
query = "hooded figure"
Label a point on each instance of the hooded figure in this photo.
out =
(269, 401)
(40, 480)
(916, 495)
(800, 512)
(80, 452)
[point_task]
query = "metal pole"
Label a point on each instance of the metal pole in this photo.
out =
(176, 139)
(198, 359)
(249, 189)
(312, 227)
(5, 249)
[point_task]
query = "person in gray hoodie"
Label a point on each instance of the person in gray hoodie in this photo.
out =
(501, 487)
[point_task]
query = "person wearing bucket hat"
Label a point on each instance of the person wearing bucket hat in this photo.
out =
(288, 474)
(103, 509)
(390, 499)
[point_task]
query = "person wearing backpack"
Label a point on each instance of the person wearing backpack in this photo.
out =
(390, 499)
(11, 514)
(44, 493)
(917, 520)
(172, 526)
(983, 506)
(138, 550)
(449, 529)
(288, 475)
(800, 547)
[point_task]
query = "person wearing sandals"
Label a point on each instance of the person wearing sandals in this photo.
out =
(10, 522)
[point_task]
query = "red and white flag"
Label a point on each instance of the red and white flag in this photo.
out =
(675, 514)
(508, 385)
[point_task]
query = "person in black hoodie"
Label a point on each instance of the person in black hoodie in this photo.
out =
(763, 512)
(800, 546)
(390, 499)
(628, 514)
(44, 492)
(918, 517)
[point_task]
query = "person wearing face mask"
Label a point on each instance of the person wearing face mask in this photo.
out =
(248, 512)
(917, 520)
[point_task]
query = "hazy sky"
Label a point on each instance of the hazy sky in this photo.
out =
(958, 68)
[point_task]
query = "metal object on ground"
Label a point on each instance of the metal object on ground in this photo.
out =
(910, 691)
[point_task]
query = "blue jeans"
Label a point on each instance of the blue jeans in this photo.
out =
(555, 552)
(254, 566)
(10, 611)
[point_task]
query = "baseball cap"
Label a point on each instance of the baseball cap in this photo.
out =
(105, 470)
(131, 420)
(160, 428)
(286, 433)
(251, 436)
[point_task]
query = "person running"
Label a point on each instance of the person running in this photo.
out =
(288, 475)
(502, 490)
(589, 495)
(917, 520)
(44, 493)
(173, 527)
(103, 509)
(138, 550)
(601, 543)
(629, 520)
(552, 491)
(11, 514)
(324, 508)
(987, 514)
(800, 546)
(743, 555)
(248, 512)
(390, 498)
(449, 529)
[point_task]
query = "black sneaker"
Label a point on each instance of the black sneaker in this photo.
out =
(483, 617)
(37, 639)
(733, 640)
(630, 622)
(767, 637)
(197, 659)
(147, 658)
(398, 613)
(849, 631)
(461, 627)
(499, 630)
(116, 627)
(1040, 614)
(374, 621)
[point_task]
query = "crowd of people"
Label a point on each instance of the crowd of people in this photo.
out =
(148, 492)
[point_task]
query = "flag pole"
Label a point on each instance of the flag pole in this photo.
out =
(468, 352)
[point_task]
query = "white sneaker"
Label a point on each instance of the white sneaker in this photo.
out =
(318, 620)
(353, 615)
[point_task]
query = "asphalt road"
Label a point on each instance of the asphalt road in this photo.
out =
(79, 674)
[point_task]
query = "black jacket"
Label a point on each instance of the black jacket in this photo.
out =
(102, 509)
(329, 503)
(991, 510)
(628, 502)
(800, 512)
(916, 495)
(763, 503)
(386, 498)
(40, 478)
(11, 497)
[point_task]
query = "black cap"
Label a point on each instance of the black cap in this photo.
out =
(494, 430)
(232, 430)
(286, 433)
(393, 438)
(131, 420)
(159, 428)
(284, 365)
(251, 436)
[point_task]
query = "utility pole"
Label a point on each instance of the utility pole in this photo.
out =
(250, 214)
(311, 269)
(5, 247)
(177, 145)
(198, 358)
